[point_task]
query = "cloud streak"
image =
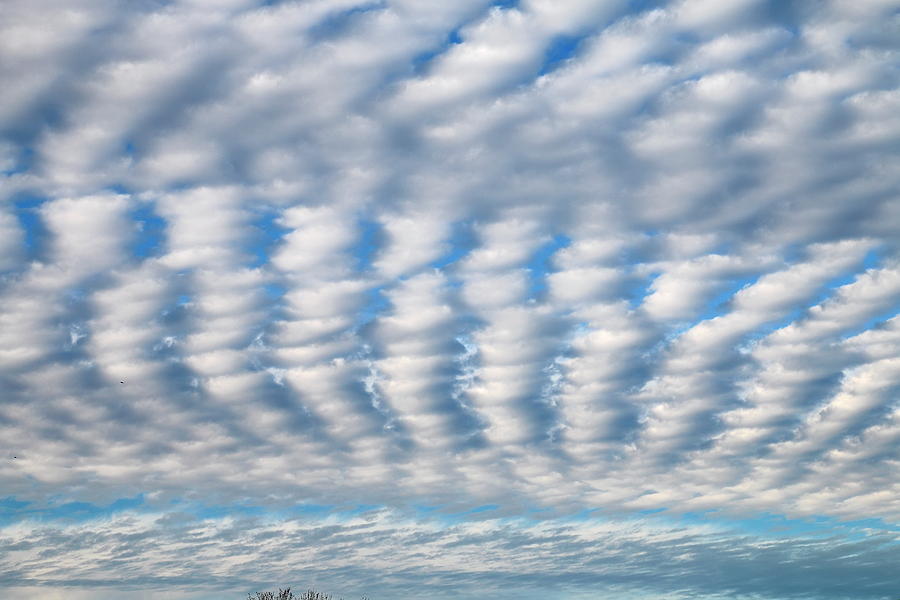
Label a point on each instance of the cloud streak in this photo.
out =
(404, 556)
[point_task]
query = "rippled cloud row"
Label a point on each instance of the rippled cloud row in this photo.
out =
(411, 558)
(593, 254)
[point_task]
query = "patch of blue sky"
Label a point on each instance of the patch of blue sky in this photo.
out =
(652, 511)
(150, 234)
(27, 211)
(267, 235)
(772, 525)
(483, 508)
(371, 240)
(872, 259)
(462, 241)
(638, 292)
(375, 304)
(119, 188)
(14, 511)
(764, 524)
(449, 515)
(560, 49)
(425, 510)
(538, 266)
(274, 291)
(305, 510)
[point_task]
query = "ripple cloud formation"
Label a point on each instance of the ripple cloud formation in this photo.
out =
(419, 298)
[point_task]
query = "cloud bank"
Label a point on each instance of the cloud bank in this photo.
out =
(538, 256)
(403, 557)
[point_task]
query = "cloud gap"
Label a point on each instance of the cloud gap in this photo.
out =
(151, 228)
(27, 211)
(268, 233)
(370, 241)
(538, 266)
(561, 49)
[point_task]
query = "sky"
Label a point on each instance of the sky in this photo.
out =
(571, 299)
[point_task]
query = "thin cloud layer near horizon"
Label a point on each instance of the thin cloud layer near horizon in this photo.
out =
(436, 299)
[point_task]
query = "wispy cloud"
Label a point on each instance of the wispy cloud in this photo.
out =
(408, 557)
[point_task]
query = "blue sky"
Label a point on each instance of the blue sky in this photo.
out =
(582, 299)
